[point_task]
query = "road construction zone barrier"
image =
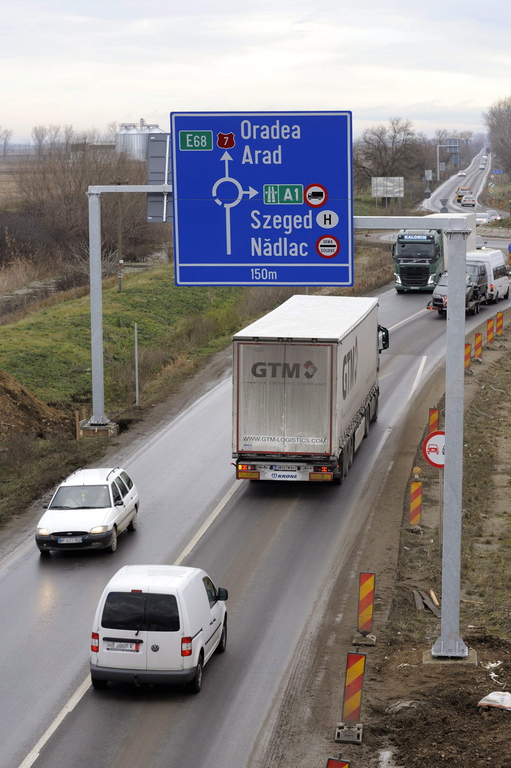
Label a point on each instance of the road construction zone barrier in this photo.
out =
(490, 330)
(500, 323)
(350, 729)
(365, 603)
(434, 415)
(468, 355)
(415, 503)
(478, 346)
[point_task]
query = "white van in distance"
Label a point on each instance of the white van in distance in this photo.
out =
(157, 624)
(498, 281)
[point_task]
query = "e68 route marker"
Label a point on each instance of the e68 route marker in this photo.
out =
(262, 198)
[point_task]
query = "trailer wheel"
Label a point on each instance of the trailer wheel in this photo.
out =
(375, 409)
(350, 451)
(344, 463)
(367, 420)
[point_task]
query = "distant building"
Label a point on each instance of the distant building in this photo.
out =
(132, 138)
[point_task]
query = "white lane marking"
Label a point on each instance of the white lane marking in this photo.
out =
(419, 374)
(407, 319)
(84, 687)
(66, 709)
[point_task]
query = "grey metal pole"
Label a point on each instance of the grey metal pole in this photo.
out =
(96, 311)
(450, 644)
(136, 364)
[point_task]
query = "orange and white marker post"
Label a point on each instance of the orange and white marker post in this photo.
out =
(500, 323)
(350, 729)
(415, 503)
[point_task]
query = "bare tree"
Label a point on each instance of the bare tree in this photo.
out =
(54, 187)
(498, 121)
(54, 137)
(390, 150)
(68, 136)
(5, 137)
(39, 137)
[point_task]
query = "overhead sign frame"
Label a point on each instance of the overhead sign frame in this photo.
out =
(262, 198)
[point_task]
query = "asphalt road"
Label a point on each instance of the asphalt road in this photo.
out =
(276, 547)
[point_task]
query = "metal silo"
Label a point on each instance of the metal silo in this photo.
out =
(132, 138)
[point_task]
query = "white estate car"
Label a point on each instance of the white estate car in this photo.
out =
(88, 511)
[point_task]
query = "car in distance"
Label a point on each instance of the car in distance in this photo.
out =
(461, 192)
(468, 200)
(480, 242)
(88, 511)
(482, 218)
(461, 173)
(494, 216)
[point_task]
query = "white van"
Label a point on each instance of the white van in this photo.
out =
(498, 281)
(157, 624)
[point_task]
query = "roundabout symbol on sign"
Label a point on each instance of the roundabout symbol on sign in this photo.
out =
(328, 246)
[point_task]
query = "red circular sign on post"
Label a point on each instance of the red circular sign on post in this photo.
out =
(328, 246)
(315, 195)
(433, 449)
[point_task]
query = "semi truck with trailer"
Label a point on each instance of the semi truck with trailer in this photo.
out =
(305, 388)
(419, 259)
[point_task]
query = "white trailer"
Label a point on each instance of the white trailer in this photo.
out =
(305, 388)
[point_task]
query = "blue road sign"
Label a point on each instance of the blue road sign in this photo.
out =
(262, 198)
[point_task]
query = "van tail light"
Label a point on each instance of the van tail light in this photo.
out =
(94, 642)
(186, 646)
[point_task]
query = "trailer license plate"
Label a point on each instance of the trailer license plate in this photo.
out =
(284, 468)
(70, 540)
(117, 645)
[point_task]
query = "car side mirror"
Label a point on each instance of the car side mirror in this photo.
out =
(222, 593)
(45, 506)
(119, 503)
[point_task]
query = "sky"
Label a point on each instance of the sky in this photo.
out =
(91, 63)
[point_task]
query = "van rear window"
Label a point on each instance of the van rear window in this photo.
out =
(140, 612)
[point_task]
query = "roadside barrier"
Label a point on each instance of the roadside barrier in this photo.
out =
(468, 355)
(350, 729)
(415, 503)
(365, 603)
(433, 420)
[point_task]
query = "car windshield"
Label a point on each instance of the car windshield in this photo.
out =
(81, 497)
